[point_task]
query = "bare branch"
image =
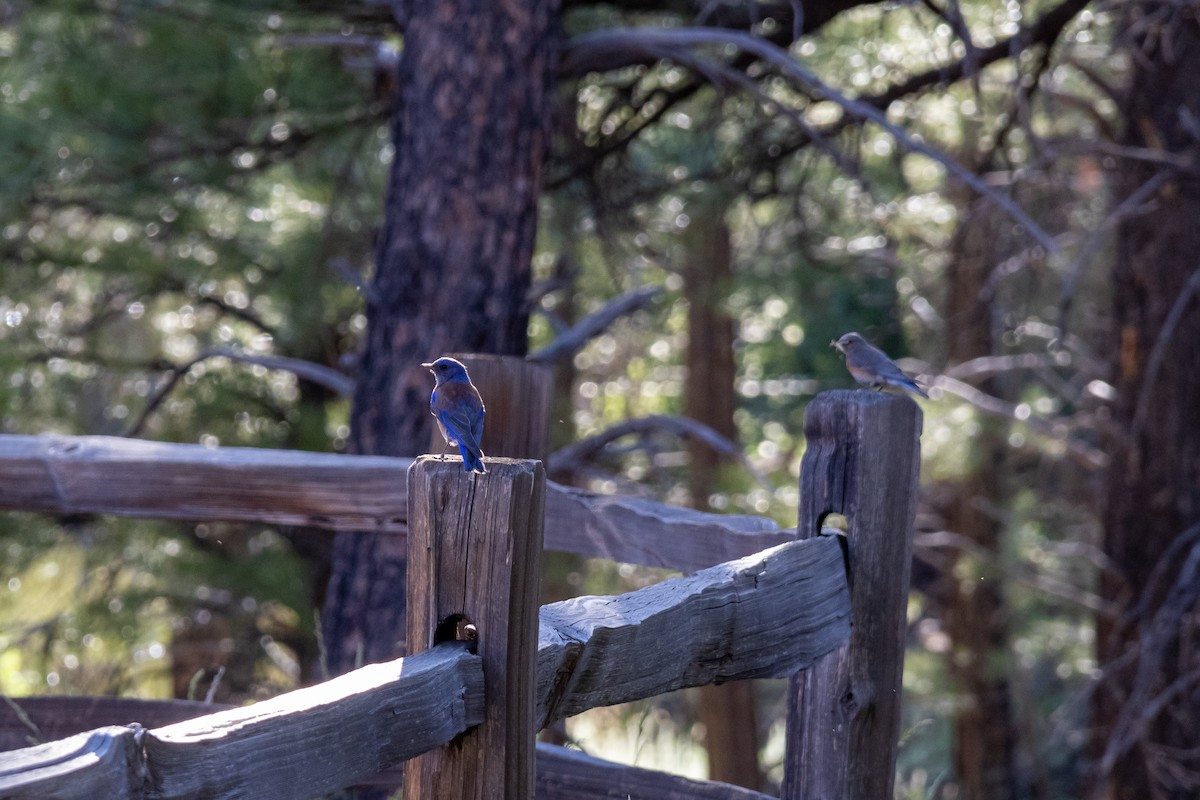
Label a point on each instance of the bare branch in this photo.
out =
(954, 17)
(1155, 362)
(666, 44)
(718, 72)
(1090, 457)
(307, 370)
(1096, 239)
(640, 120)
(1043, 32)
(1140, 708)
(244, 314)
(986, 366)
(1044, 583)
(573, 455)
(574, 338)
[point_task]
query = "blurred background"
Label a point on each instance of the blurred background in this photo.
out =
(246, 223)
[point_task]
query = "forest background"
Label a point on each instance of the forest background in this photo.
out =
(246, 223)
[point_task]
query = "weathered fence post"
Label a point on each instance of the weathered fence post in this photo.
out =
(475, 545)
(862, 461)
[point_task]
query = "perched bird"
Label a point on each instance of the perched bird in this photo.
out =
(458, 409)
(870, 367)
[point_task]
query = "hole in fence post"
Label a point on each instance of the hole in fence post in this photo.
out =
(833, 524)
(457, 628)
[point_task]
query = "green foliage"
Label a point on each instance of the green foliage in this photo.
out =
(179, 178)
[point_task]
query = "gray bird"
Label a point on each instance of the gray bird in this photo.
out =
(870, 367)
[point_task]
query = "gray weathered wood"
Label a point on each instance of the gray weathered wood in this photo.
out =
(98, 763)
(131, 477)
(862, 461)
(644, 532)
(763, 616)
(26, 721)
(475, 545)
(315, 740)
(564, 774)
(767, 615)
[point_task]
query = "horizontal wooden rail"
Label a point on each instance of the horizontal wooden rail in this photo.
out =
(137, 478)
(764, 616)
(570, 775)
(133, 477)
(561, 774)
(98, 763)
(638, 531)
(304, 743)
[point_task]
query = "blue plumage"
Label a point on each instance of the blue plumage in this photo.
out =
(458, 409)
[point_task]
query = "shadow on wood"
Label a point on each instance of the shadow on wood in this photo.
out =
(766, 615)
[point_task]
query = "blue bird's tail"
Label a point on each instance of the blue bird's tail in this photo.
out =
(910, 384)
(472, 460)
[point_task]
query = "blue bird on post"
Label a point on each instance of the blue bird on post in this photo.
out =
(870, 367)
(458, 409)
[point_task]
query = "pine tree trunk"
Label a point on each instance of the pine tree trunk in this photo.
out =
(727, 711)
(974, 609)
(1152, 503)
(453, 259)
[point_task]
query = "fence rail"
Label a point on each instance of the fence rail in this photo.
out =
(300, 744)
(776, 606)
(129, 477)
(767, 615)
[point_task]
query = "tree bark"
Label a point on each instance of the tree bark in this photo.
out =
(1152, 505)
(453, 259)
(727, 711)
(973, 605)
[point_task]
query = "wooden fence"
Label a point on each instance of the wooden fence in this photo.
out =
(487, 667)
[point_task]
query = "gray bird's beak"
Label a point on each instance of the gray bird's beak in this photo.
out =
(428, 365)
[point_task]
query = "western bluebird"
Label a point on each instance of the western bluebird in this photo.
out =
(870, 367)
(458, 409)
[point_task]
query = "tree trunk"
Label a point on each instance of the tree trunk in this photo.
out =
(1146, 740)
(974, 612)
(453, 259)
(727, 711)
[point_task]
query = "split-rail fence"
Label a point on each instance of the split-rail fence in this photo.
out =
(487, 668)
